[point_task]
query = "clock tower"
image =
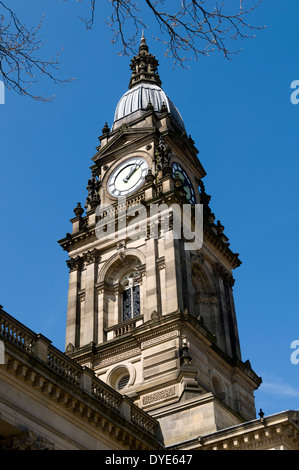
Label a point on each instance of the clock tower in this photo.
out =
(149, 312)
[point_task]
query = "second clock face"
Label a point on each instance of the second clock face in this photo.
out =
(127, 177)
(187, 186)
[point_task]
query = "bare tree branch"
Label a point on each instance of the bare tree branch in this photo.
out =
(19, 62)
(189, 28)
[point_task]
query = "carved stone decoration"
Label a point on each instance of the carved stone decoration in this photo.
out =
(70, 348)
(155, 316)
(204, 197)
(93, 187)
(91, 256)
(162, 157)
(186, 358)
(26, 441)
(74, 263)
(121, 250)
(160, 395)
(220, 271)
(224, 274)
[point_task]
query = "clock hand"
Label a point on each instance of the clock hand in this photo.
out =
(126, 179)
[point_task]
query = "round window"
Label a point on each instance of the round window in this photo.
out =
(122, 381)
(119, 378)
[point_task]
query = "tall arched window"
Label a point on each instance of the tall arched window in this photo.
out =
(130, 297)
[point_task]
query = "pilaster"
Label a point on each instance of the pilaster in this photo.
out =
(152, 287)
(72, 322)
(173, 278)
(90, 310)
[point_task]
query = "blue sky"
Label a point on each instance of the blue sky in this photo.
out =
(245, 127)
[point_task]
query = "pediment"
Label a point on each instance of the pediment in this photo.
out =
(125, 140)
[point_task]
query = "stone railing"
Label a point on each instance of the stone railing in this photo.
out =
(15, 335)
(123, 328)
(106, 396)
(58, 362)
(141, 421)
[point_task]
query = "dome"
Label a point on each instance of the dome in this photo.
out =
(138, 98)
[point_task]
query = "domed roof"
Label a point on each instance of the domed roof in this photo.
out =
(145, 90)
(138, 99)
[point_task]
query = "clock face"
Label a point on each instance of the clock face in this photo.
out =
(187, 186)
(127, 177)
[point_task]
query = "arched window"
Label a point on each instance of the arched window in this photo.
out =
(130, 297)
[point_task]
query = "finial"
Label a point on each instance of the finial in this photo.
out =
(261, 414)
(143, 48)
(150, 106)
(106, 129)
(144, 66)
(78, 210)
(164, 108)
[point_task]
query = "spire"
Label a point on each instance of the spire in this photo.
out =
(144, 66)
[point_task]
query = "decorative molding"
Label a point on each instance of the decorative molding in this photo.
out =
(161, 263)
(132, 252)
(211, 299)
(160, 395)
(118, 357)
(159, 339)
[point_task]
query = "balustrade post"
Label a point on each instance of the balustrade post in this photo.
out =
(86, 378)
(41, 347)
(125, 408)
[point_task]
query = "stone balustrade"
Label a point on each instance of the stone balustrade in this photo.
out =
(124, 327)
(104, 395)
(16, 333)
(16, 337)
